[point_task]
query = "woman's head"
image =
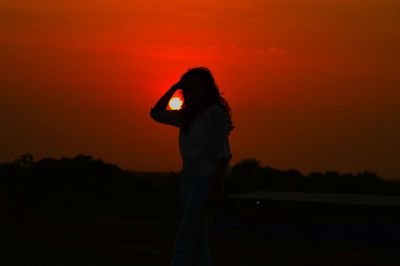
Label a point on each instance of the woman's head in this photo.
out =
(200, 91)
(199, 88)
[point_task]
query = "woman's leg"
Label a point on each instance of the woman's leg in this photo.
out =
(193, 228)
(201, 252)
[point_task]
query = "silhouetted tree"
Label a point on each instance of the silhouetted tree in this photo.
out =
(25, 161)
(246, 176)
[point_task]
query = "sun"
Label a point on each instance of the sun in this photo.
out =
(175, 103)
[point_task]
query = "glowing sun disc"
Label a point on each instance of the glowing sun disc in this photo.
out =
(175, 103)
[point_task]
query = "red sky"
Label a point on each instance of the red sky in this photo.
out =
(313, 84)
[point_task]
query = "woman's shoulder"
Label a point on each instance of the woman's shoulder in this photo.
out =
(216, 112)
(216, 108)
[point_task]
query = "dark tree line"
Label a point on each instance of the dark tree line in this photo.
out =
(79, 185)
(248, 175)
(84, 185)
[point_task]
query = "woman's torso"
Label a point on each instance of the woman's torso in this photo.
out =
(193, 147)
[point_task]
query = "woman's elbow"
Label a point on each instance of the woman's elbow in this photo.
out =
(153, 115)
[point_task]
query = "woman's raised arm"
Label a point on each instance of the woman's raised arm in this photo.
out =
(159, 112)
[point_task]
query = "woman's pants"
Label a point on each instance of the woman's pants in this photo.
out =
(191, 243)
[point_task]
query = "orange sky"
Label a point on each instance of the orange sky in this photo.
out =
(313, 84)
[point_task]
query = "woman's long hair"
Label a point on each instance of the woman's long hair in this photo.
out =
(212, 96)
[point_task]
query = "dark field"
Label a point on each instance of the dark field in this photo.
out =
(81, 211)
(271, 233)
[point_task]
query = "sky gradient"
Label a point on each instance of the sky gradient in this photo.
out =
(313, 85)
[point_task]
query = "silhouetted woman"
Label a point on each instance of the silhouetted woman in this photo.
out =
(204, 123)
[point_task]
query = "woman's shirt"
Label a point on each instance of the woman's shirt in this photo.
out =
(204, 144)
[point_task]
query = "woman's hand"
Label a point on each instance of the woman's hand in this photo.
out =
(216, 196)
(162, 103)
(176, 86)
